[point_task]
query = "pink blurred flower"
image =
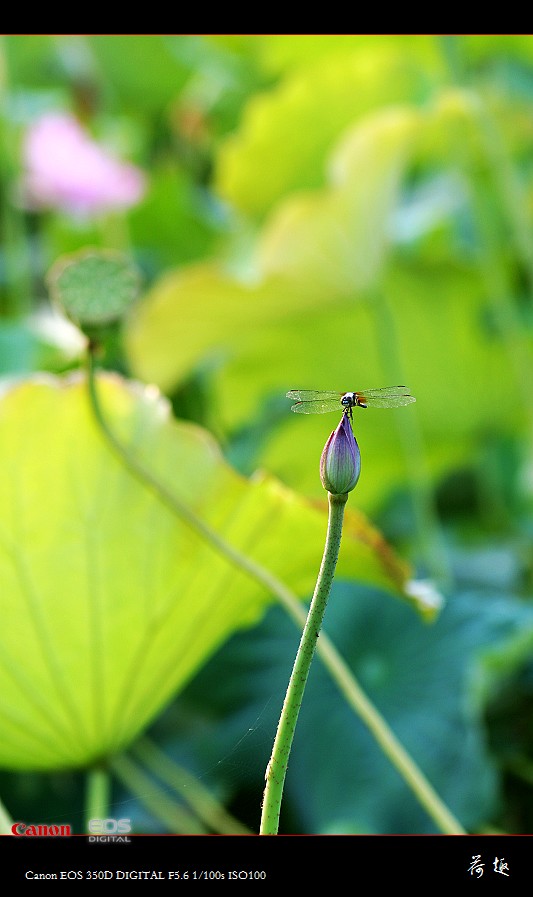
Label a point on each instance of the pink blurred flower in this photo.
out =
(67, 170)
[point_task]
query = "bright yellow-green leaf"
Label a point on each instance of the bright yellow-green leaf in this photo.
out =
(199, 313)
(282, 52)
(286, 135)
(315, 250)
(437, 314)
(307, 324)
(336, 237)
(110, 603)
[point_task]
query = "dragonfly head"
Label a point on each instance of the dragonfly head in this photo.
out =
(349, 400)
(352, 400)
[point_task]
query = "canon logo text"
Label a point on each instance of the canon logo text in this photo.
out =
(41, 831)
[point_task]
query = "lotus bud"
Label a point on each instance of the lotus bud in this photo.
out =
(340, 464)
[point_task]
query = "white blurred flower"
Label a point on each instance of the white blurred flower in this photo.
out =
(426, 597)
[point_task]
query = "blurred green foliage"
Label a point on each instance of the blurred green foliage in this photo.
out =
(337, 212)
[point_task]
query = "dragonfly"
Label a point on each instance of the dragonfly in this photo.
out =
(316, 401)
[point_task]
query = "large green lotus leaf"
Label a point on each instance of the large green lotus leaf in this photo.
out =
(317, 249)
(109, 603)
(200, 313)
(267, 338)
(287, 134)
(300, 320)
(456, 334)
(462, 374)
(276, 336)
(306, 325)
(432, 685)
(336, 238)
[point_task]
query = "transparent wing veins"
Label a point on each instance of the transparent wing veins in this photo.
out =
(385, 391)
(310, 395)
(317, 407)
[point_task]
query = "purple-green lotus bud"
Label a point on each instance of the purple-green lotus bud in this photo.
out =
(340, 464)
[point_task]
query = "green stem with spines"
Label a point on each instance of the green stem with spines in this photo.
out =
(277, 767)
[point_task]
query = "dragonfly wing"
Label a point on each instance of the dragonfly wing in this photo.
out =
(387, 397)
(386, 391)
(309, 395)
(388, 401)
(319, 406)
